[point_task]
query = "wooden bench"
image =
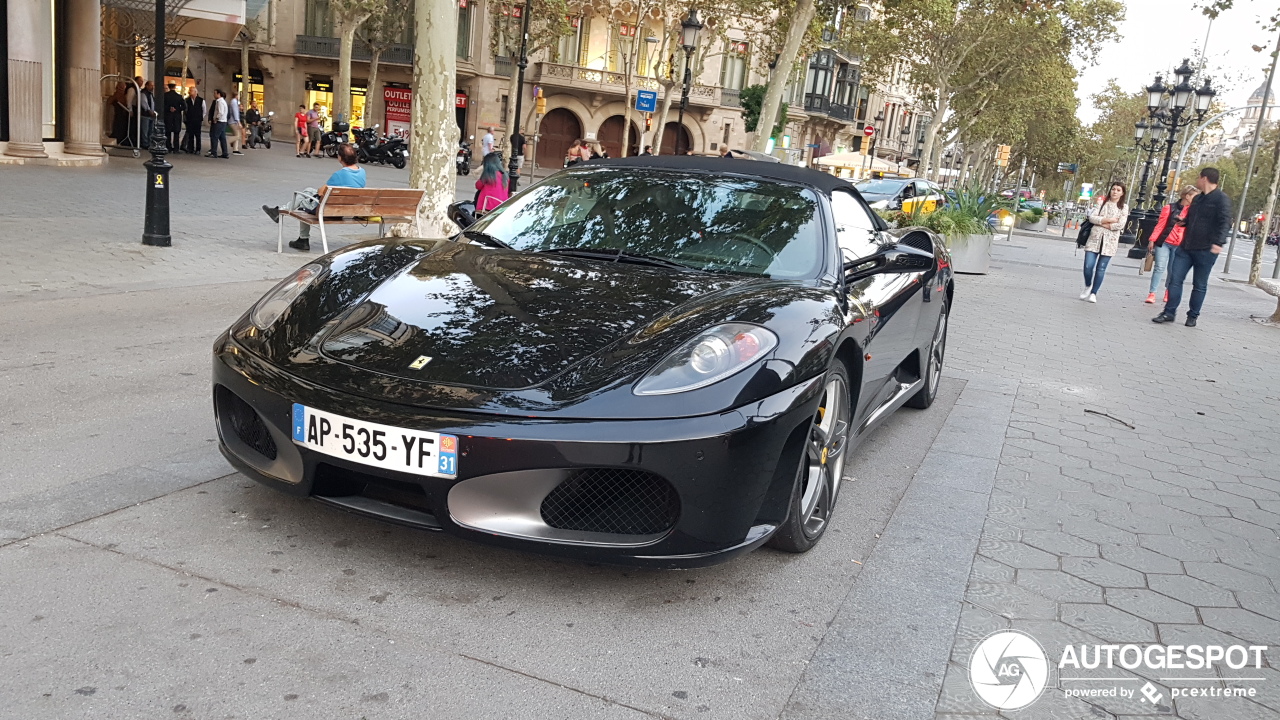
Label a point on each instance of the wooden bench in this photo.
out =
(1271, 287)
(357, 206)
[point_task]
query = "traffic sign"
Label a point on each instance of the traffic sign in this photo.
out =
(869, 130)
(647, 100)
(1068, 168)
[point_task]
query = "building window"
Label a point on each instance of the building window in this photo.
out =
(733, 73)
(569, 49)
(508, 30)
(319, 19)
(621, 44)
(464, 29)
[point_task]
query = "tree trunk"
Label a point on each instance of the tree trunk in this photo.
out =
(244, 71)
(342, 88)
(435, 136)
(1255, 264)
(927, 163)
(513, 91)
(626, 116)
(373, 94)
(800, 21)
(186, 62)
(661, 127)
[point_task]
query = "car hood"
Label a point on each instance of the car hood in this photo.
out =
(504, 320)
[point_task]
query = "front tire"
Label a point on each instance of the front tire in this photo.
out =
(398, 162)
(924, 397)
(821, 467)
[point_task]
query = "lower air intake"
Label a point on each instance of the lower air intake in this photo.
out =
(608, 500)
(245, 423)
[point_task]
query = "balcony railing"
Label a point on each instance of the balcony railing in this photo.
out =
(816, 103)
(580, 78)
(730, 97)
(841, 112)
(503, 66)
(330, 48)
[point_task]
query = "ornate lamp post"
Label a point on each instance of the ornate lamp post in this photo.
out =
(689, 28)
(513, 165)
(155, 224)
(870, 164)
(1174, 109)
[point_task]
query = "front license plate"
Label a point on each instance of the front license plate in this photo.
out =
(390, 448)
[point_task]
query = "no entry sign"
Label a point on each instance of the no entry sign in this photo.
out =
(868, 131)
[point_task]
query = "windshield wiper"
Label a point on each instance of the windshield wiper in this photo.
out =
(484, 238)
(623, 256)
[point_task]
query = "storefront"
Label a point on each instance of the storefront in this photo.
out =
(255, 91)
(320, 90)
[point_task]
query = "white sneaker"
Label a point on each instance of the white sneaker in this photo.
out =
(1084, 295)
(1093, 298)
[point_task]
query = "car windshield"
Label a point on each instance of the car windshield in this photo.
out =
(705, 222)
(880, 187)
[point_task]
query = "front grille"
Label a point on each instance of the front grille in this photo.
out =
(334, 481)
(608, 500)
(245, 422)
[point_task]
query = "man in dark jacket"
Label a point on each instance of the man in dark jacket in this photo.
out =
(1206, 226)
(173, 107)
(194, 110)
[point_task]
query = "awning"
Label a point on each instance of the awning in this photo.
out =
(213, 22)
(856, 161)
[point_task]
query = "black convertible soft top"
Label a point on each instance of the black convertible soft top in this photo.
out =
(755, 168)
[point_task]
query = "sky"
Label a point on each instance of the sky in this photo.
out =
(1157, 34)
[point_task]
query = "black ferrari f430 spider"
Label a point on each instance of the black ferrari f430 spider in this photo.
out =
(657, 361)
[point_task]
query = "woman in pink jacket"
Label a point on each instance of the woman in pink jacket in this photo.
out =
(492, 184)
(1167, 236)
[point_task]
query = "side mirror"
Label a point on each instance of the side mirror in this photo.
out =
(463, 214)
(890, 259)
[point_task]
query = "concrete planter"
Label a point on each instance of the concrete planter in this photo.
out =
(1040, 226)
(970, 253)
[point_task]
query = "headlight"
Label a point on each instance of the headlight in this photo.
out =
(880, 205)
(274, 303)
(710, 357)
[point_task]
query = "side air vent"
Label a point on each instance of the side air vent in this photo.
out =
(245, 422)
(609, 500)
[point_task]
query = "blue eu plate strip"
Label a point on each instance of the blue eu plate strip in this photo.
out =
(299, 423)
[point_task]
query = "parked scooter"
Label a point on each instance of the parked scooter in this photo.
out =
(383, 150)
(463, 161)
(261, 133)
(330, 141)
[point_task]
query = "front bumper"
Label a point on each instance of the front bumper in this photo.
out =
(731, 473)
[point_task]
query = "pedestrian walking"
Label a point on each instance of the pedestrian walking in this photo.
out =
(492, 185)
(517, 149)
(486, 143)
(1165, 238)
(314, 119)
(193, 113)
(573, 155)
(131, 103)
(1204, 233)
(648, 151)
(218, 125)
(300, 127)
(1107, 218)
(349, 175)
(237, 128)
(173, 118)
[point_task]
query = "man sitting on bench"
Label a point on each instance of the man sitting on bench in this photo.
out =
(350, 175)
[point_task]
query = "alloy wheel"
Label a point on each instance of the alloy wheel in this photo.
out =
(937, 352)
(824, 457)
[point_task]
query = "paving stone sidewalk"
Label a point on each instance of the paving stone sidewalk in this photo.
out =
(1098, 532)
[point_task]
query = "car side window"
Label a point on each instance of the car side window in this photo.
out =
(855, 230)
(922, 188)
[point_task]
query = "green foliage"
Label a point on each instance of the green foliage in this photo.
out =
(972, 202)
(1031, 216)
(953, 223)
(752, 98)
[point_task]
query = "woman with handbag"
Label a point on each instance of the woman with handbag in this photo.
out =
(1107, 220)
(1166, 236)
(492, 185)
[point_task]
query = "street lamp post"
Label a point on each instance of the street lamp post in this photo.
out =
(513, 165)
(871, 155)
(1148, 138)
(1182, 100)
(689, 28)
(155, 223)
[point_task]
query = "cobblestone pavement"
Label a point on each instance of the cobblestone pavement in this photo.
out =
(1098, 532)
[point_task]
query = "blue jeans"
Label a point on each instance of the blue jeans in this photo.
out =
(218, 138)
(1162, 255)
(1185, 261)
(1095, 268)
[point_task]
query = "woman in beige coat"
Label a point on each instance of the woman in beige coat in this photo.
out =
(1108, 220)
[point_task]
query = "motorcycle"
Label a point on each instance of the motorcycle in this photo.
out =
(261, 133)
(463, 161)
(330, 141)
(383, 150)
